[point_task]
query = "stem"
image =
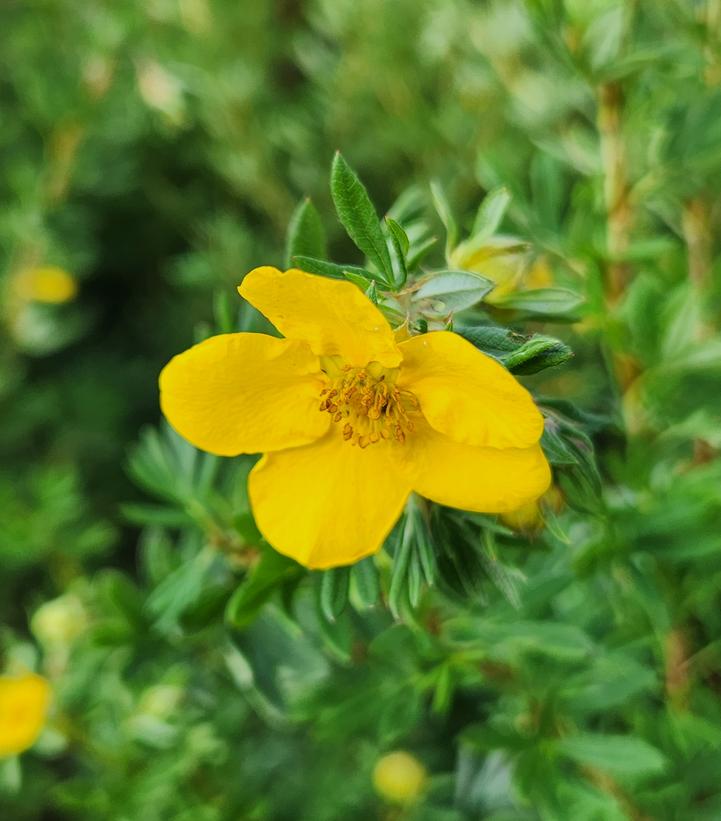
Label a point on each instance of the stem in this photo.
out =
(615, 188)
(696, 225)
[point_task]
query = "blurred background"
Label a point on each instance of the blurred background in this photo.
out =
(153, 152)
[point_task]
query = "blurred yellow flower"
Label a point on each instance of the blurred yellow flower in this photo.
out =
(399, 777)
(59, 621)
(24, 703)
(504, 261)
(351, 421)
(47, 283)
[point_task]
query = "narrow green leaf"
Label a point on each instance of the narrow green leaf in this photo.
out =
(312, 265)
(490, 213)
(400, 235)
(358, 216)
(399, 580)
(443, 692)
(398, 255)
(262, 581)
(334, 592)
(443, 209)
(419, 251)
(366, 582)
(224, 310)
(306, 235)
(505, 580)
(415, 579)
(557, 451)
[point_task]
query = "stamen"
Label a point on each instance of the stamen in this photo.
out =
(373, 407)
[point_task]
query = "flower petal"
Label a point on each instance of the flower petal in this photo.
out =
(485, 480)
(467, 395)
(333, 316)
(329, 503)
(244, 393)
(23, 704)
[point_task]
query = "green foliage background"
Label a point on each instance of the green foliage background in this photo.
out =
(157, 151)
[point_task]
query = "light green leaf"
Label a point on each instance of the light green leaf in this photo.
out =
(617, 754)
(490, 213)
(443, 209)
(552, 303)
(457, 290)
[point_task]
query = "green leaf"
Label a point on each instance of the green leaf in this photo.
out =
(330, 269)
(537, 354)
(399, 244)
(507, 581)
(490, 213)
(225, 310)
(334, 592)
(512, 640)
(268, 575)
(306, 235)
(552, 303)
(399, 234)
(616, 754)
(399, 580)
(419, 251)
(456, 290)
(496, 342)
(443, 209)
(359, 217)
(366, 582)
(556, 450)
(520, 354)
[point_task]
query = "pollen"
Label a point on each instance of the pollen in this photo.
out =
(367, 403)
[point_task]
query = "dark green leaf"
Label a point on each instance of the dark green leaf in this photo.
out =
(331, 269)
(271, 571)
(334, 592)
(306, 235)
(359, 217)
(398, 246)
(366, 581)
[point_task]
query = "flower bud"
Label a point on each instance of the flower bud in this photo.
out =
(46, 283)
(399, 777)
(59, 622)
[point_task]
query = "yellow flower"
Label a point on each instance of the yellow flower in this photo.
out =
(399, 777)
(350, 421)
(503, 261)
(23, 704)
(47, 283)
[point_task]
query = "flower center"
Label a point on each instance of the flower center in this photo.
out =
(367, 403)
